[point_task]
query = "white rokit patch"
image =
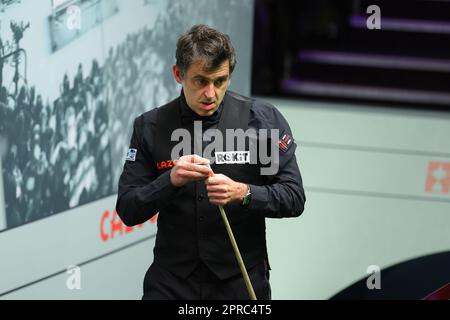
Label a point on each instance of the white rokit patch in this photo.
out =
(233, 157)
(131, 155)
(259, 150)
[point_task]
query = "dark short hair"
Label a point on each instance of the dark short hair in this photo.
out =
(202, 42)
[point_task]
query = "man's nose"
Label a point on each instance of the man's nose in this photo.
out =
(209, 91)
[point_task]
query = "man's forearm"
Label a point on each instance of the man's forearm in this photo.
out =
(279, 200)
(135, 205)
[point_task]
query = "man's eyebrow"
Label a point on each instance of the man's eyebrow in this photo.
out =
(200, 77)
(222, 78)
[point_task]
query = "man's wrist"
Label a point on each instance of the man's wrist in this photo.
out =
(241, 191)
(245, 201)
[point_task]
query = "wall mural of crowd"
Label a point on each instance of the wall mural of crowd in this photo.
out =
(67, 152)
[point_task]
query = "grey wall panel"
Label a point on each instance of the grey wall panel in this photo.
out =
(365, 173)
(340, 236)
(98, 279)
(368, 127)
(386, 174)
(49, 246)
(2, 202)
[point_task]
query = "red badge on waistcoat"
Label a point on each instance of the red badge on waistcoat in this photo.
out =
(285, 142)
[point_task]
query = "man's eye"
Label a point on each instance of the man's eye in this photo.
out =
(201, 82)
(218, 83)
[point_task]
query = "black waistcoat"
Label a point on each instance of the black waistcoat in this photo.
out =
(190, 229)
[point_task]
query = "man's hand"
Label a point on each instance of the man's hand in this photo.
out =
(223, 190)
(189, 168)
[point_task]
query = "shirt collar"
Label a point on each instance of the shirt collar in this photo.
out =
(189, 116)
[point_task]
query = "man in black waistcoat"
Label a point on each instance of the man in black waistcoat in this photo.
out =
(193, 256)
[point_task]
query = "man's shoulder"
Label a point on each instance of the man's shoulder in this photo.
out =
(264, 112)
(257, 105)
(150, 116)
(239, 97)
(264, 107)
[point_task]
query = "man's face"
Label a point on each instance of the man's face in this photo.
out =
(204, 90)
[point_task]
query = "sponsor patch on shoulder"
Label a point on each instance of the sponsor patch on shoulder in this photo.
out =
(285, 142)
(131, 155)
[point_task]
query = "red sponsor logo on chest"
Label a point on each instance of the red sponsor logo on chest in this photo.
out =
(167, 164)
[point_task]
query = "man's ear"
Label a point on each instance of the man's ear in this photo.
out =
(177, 74)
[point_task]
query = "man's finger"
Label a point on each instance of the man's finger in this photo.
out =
(192, 175)
(217, 188)
(194, 158)
(218, 202)
(218, 196)
(196, 168)
(216, 179)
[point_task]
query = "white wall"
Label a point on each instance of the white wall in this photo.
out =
(364, 171)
